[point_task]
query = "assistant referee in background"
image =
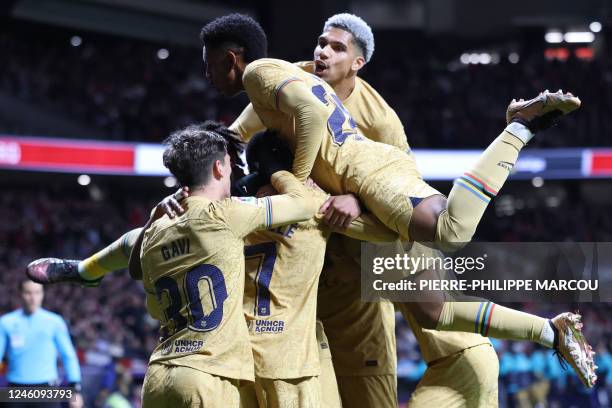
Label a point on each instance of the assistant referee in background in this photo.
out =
(32, 338)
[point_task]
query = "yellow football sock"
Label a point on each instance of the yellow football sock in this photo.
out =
(110, 259)
(471, 193)
(492, 320)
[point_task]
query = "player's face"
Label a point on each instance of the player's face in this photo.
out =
(32, 296)
(219, 65)
(335, 56)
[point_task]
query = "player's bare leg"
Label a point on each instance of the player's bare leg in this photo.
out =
(450, 223)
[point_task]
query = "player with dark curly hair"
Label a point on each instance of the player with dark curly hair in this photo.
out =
(242, 39)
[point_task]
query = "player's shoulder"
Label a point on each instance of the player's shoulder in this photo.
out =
(368, 92)
(236, 205)
(307, 66)
(197, 209)
(265, 65)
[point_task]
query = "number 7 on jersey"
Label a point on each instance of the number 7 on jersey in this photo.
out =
(266, 253)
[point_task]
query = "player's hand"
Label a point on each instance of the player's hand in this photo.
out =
(76, 401)
(341, 210)
(266, 191)
(171, 205)
(310, 183)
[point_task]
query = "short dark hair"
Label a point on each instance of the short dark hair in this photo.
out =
(237, 30)
(191, 152)
(267, 153)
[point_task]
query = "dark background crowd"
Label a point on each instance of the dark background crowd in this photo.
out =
(135, 95)
(123, 89)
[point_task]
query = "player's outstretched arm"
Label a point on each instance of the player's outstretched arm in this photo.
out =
(350, 221)
(369, 228)
(247, 124)
(294, 204)
(248, 214)
(311, 117)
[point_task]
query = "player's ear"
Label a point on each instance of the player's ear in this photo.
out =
(217, 169)
(358, 63)
(232, 57)
(235, 58)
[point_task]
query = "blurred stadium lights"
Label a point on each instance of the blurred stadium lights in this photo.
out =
(514, 58)
(476, 58)
(163, 53)
(170, 182)
(585, 53)
(96, 193)
(561, 54)
(595, 26)
(75, 40)
(579, 37)
(84, 180)
(557, 37)
(553, 37)
(485, 58)
(553, 201)
(537, 182)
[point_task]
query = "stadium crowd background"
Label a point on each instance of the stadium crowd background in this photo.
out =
(143, 97)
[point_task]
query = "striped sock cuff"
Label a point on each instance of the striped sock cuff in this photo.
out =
(477, 184)
(483, 318)
(268, 205)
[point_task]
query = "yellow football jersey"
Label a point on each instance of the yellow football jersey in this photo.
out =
(361, 335)
(194, 264)
(317, 127)
(282, 277)
(435, 344)
(374, 117)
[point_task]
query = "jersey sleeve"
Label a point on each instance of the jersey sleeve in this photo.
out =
(262, 79)
(293, 204)
(295, 99)
(368, 228)
(389, 130)
(247, 124)
(364, 228)
(271, 86)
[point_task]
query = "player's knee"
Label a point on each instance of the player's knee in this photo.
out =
(425, 215)
(452, 234)
(426, 313)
